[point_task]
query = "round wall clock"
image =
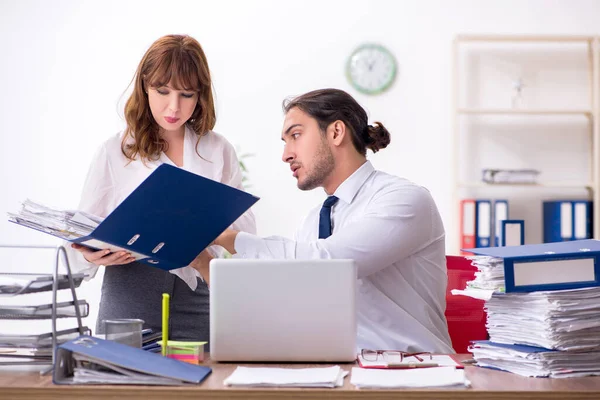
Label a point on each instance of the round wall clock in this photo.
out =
(371, 68)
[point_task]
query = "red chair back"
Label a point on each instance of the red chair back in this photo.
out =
(466, 317)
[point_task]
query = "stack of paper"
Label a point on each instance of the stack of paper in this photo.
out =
(62, 223)
(563, 319)
(559, 329)
(489, 275)
(328, 377)
(414, 378)
(536, 361)
(20, 349)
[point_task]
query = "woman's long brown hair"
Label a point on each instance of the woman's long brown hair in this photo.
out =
(180, 61)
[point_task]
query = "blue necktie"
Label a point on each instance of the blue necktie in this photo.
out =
(325, 217)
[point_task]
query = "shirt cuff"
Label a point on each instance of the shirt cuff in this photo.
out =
(245, 245)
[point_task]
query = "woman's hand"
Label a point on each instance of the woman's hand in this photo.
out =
(104, 257)
(201, 264)
(227, 240)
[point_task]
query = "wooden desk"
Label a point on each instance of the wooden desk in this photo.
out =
(486, 385)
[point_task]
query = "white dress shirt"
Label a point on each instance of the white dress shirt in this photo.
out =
(112, 177)
(392, 229)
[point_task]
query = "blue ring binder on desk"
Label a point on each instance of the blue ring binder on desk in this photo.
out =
(549, 266)
(90, 360)
(169, 218)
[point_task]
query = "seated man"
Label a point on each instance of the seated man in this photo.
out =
(390, 226)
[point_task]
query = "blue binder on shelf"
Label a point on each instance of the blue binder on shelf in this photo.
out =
(549, 266)
(170, 218)
(582, 219)
(566, 220)
(106, 362)
(500, 214)
(512, 232)
(483, 223)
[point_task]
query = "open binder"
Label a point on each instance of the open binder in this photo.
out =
(168, 219)
(548, 266)
(90, 360)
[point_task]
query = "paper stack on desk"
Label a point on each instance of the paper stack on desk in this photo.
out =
(328, 377)
(536, 361)
(542, 320)
(566, 320)
(409, 378)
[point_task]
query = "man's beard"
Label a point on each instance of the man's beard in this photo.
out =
(322, 166)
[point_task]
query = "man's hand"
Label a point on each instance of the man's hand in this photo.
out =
(104, 257)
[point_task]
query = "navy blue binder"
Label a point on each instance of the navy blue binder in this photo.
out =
(500, 215)
(566, 220)
(512, 232)
(123, 361)
(170, 218)
(549, 266)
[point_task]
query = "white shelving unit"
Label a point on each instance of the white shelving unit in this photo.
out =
(589, 114)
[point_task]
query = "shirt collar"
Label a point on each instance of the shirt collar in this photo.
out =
(350, 187)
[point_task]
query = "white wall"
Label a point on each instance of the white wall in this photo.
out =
(65, 65)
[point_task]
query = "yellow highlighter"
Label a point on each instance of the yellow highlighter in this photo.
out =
(165, 323)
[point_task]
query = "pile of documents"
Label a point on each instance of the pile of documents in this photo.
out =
(562, 320)
(448, 377)
(327, 377)
(536, 361)
(551, 333)
(19, 349)
(489, 275)
(64, 224)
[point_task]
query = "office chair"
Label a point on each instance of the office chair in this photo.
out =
(466, 317)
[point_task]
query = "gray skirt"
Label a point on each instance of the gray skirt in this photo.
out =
(135, 291)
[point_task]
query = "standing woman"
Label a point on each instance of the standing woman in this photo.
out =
(170, 116)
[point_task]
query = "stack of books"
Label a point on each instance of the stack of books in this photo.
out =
(543, 308)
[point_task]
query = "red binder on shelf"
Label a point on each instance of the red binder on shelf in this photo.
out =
(475, 223)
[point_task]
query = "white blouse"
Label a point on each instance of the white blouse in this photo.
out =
(112, 177)
(392, 229)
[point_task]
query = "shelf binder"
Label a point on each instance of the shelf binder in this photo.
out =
(500, 214)
(582, 219)
(476, 223)
(549, 266)
(169, 218)
(512, 232)
(566, 220)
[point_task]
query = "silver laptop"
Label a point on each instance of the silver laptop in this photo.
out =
(282, 310)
